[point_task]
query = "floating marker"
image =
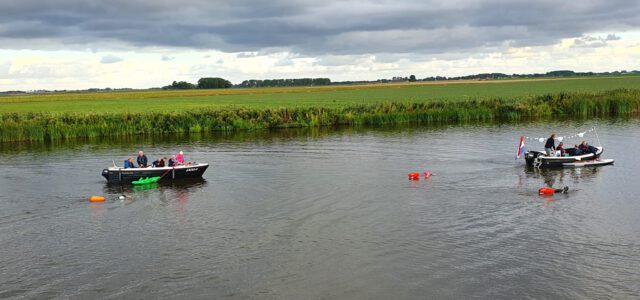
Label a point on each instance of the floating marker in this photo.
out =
(427, 174)
(96, 199)
(551, 191)
(546, 191)
(414, 176)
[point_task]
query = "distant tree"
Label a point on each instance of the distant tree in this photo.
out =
(213, 83)
(561, 73)
(285, 82)
(321, 81)
(179, 85)
(412, 78)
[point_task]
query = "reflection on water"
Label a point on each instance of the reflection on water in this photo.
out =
(183, 185)
(323, 213)
(558, 178)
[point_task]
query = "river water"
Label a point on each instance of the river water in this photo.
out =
(324, 214)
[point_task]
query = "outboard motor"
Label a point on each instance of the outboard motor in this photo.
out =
(105, 174)
(530, 157)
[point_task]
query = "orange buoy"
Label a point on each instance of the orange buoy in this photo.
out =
(546, 191)
(414, 176)
(96, 199)
(551, 191)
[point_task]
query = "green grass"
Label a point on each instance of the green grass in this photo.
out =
(327, 97)
(70, 115)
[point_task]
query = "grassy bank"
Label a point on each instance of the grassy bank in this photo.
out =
(39, 126)
(304, 97)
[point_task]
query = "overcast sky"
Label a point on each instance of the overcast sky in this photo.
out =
(77, 44)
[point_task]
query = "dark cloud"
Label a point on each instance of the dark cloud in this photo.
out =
(313, 27)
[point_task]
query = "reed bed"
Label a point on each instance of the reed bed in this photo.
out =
(55, 126)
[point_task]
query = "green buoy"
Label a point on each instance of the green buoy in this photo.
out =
(146, 180)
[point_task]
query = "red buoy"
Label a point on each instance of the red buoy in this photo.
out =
(427, 174)
(551, 191)
(546, 191)
(414, 176)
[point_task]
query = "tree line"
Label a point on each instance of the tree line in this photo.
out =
(256, 83)
(559, 73)
(221, 83)
(203, 83)
(487, 76)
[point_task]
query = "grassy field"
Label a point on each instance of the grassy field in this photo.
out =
(299, 97)
(69, 115)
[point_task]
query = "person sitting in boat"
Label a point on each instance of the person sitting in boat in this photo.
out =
(142, 160)
(576, 150)
(128, 163)
(158, 163)
(560, 150)
(550, 145)
(586, 148)
(172, 161)
(571, 151)
(180, 158)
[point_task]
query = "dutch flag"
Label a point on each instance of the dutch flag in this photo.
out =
(520, 147)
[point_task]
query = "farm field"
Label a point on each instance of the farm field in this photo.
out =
(158, 101)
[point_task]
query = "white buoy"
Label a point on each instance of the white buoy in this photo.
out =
(122, 197)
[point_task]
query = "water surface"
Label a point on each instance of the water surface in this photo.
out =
(317, 214)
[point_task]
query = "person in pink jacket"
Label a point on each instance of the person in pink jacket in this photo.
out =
(180, 158)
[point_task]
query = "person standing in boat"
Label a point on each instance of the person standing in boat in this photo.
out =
(550, 145)
(142, 160)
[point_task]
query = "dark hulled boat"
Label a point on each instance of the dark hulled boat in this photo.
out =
(122, 175)
(540, 159)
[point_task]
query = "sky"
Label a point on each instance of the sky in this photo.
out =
(79, 44)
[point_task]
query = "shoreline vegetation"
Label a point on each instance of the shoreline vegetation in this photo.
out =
(48, 126)
(59, 116)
